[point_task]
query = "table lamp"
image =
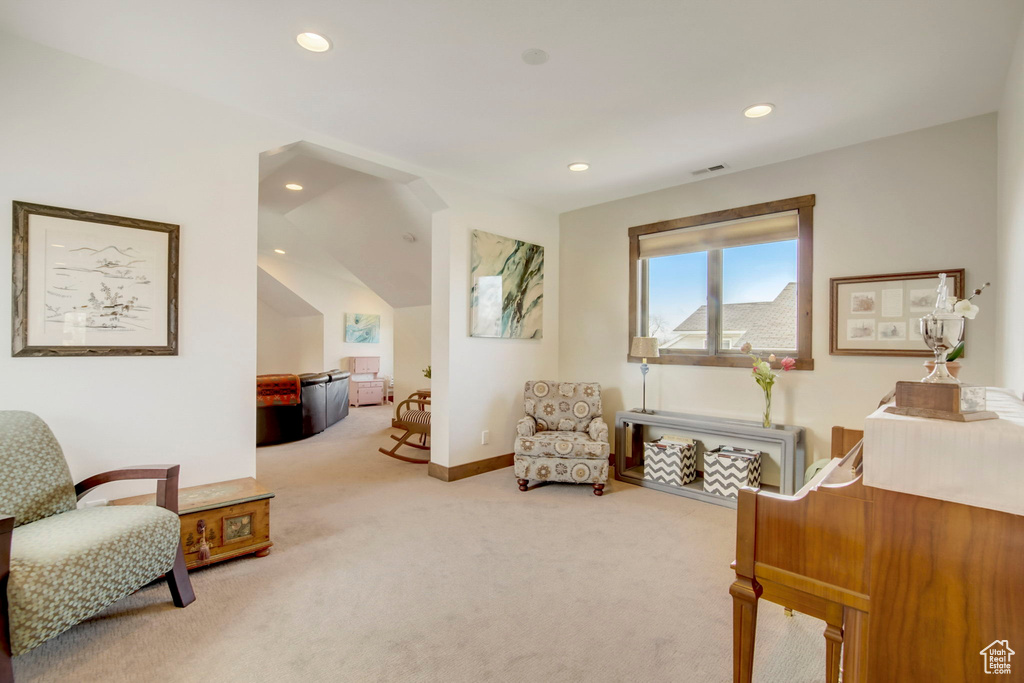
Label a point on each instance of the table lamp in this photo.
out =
(644, 348)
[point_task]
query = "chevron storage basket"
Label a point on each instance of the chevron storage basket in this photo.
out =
(670, 463)
(727, 469)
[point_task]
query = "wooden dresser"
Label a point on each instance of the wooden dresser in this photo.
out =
(232, 518)
(366, 387)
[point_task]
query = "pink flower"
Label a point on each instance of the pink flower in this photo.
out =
(788, 364)
(746, 348)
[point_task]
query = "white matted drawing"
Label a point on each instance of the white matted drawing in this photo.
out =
(93, 284)
(892, 331)
(892, 303)
(922, 300)
(860, 329)
(862, 302)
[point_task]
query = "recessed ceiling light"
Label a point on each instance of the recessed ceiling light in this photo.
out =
(293, 186)
(534, 56)
(314, 42)
(279, 251)
(579, 166)
(59, 246)
(756, 111)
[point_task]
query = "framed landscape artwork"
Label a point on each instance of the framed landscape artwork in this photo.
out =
(507, 294)
(91, 284)
(879, 315)
(362, 328)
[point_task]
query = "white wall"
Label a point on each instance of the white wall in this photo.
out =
(1010, 285)
(84, 136)
(92, 138)
(478, 383)
(923, 200)
(412, 349)
(334, 297)
(288, 344)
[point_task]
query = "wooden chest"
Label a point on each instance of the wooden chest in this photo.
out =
(231, 517)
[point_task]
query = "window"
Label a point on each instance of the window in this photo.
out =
(706, 285)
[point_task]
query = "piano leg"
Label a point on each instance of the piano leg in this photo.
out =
(833, 640)
(855, 646)
(745, 593)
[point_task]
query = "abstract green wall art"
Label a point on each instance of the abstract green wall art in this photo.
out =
(507, 295)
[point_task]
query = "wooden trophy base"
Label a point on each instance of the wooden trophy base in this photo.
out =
(941, 402)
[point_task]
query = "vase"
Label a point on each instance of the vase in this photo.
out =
(942, 331)
(953, 366)
(766, 419)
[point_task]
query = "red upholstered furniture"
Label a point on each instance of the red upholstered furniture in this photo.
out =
(277, 390)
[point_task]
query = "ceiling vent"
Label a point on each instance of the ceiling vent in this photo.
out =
(710, 169)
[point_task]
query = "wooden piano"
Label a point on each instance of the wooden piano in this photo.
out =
(910, 588)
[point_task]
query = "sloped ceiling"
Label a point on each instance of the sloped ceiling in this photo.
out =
(283, 300)
(346, 222)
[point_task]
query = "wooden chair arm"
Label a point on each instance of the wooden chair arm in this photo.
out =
(166, 487)
(6, 529)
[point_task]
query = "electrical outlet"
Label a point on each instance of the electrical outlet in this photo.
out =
(485, 437)
(99, 502)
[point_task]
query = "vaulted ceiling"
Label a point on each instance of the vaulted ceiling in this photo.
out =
(355, 226)
(646, 91)
(283, 300)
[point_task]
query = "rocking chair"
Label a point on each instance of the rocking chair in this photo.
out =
(415, 421)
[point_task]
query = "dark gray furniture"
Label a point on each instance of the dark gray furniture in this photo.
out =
(314, 402)
(323, 402)
(337, 396)
(630, 430)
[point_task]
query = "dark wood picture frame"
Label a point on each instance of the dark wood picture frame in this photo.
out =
(804, 207)
(957, 274)
(20, 347)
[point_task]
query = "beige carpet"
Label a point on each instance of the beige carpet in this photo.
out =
(380, 573)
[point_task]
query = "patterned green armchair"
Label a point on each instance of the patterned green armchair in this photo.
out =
(60, 565)
(563, 436)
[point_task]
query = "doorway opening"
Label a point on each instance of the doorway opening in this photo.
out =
(344, 280)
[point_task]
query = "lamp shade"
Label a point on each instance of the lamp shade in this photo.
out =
(644, 347)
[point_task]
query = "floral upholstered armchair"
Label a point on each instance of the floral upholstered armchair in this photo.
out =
(562, 437)
(59, 564)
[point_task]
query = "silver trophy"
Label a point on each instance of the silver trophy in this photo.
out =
(942, 330)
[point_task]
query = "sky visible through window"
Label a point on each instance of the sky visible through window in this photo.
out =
(678, 284)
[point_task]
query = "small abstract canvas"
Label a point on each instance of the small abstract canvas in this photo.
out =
(362, 328)
(507, 296)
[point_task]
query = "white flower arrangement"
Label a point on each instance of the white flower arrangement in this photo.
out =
(967, 309)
